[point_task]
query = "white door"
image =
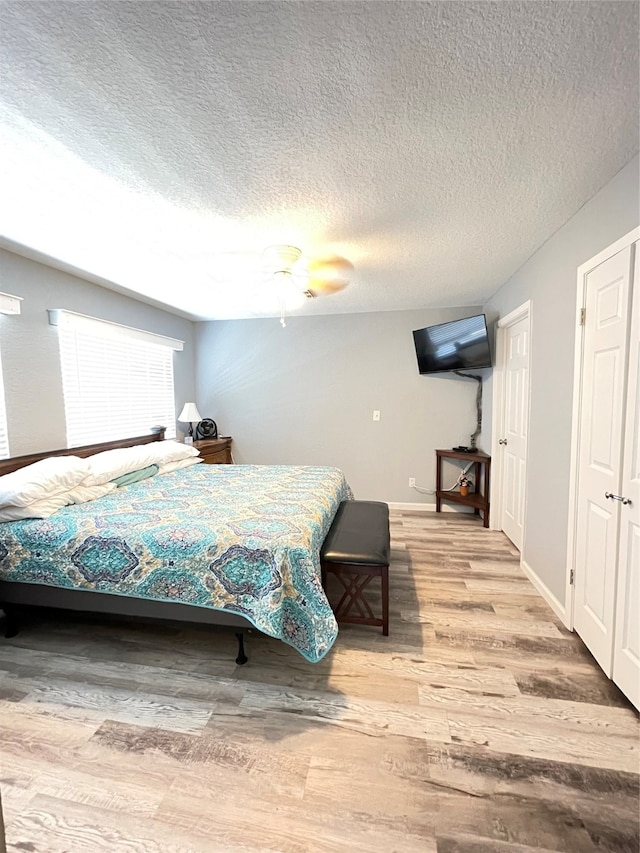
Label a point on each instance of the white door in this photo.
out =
(626, 657)
(513, 439)
(600, 462)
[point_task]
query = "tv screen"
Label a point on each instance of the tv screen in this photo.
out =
(458, 345)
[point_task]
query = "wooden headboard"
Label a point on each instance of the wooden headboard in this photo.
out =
(15, 462)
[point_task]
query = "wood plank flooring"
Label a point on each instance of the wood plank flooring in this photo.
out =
(480, 724)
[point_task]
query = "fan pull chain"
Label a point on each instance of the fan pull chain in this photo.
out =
(283, 310)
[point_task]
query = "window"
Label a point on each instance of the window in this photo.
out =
(4, 437)
(117, 381)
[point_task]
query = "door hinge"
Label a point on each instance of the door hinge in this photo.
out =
(583, 316)
(571, 578)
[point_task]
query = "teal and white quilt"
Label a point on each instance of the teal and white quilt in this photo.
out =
(241, 538)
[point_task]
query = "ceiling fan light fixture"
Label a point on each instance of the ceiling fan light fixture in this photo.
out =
(281, 258)
(279, 293)
(289, 294)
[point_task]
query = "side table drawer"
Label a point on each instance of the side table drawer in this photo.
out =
(218, 457)
(215, 451)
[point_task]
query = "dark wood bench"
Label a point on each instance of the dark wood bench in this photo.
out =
(355, 551)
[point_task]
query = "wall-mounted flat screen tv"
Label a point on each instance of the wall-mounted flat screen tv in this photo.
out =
(457, 345)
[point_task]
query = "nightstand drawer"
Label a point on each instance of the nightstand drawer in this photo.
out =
(215, 451)
(220, 457)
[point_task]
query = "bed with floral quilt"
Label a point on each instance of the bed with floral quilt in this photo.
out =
(235, 539)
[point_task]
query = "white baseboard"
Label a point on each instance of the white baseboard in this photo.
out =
(412, 507)
(420, 507)
(558, 608)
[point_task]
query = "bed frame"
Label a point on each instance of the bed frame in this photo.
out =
(15, 596)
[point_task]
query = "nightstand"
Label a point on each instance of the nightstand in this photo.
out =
(215, 451)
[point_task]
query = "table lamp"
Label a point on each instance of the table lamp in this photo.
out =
(189, 414)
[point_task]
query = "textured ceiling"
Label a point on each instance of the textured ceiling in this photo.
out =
(161, 146)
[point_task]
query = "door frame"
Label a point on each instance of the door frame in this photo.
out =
(576, 438)
(522, 312)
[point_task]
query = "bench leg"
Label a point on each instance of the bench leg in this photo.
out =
(384, 577)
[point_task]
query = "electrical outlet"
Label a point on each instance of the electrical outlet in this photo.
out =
(412, 482)
(376, 414)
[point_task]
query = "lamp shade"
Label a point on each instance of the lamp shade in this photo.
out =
(189, 414)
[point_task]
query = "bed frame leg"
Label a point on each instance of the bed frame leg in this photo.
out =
(11, 624)
(242, 658)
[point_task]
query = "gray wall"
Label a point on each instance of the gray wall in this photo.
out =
(549, 280)
(306, 394)
(29, 346)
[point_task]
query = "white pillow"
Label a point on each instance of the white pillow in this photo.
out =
(171, 451)
(177, 465)
(44, 479)
(110, 464)
(37, 509)
(81, 494)
(47, 507)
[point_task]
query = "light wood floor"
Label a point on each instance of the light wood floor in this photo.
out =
(478, 725)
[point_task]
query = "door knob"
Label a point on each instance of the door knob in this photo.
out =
(624, 501)
(502, 441)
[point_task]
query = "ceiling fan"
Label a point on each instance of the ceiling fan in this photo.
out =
(319, 277)
(290, 280)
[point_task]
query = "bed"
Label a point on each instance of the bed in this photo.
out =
(234, 545)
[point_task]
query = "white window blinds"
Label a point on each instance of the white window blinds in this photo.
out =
(117, 381)
(4, 437)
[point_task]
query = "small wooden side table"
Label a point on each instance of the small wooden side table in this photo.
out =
(479, 500)
(215, 451)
